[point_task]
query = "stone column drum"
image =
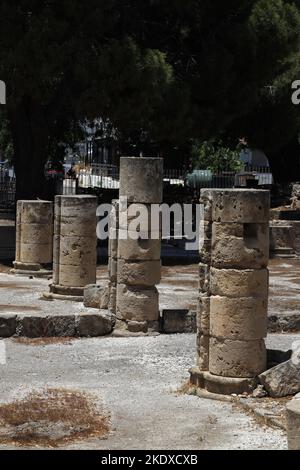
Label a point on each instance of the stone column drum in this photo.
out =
(113, 257)
(74, 246)
(232, 314)
(34, 238)
(139, 266)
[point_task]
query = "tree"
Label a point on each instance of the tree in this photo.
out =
(164, 70)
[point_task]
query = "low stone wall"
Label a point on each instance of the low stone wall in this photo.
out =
(285, 238)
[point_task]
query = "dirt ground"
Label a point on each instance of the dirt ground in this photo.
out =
(131, 386)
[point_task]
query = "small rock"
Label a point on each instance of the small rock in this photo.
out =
(92, 295)
(282, 380)
(95, 324)
(259, 392)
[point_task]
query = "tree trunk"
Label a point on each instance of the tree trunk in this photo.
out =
(30, 139)
(285, 163)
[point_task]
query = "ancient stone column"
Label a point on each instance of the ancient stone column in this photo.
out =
(74, 246)
(34, 238)
(232, 316)
(139, 267)
(113, 257)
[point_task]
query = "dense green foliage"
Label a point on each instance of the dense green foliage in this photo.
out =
(163, 71)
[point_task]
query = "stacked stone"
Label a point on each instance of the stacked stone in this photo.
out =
(34, 238)
(113, 257)
(74, 246)
(139, 267)
(232, 318)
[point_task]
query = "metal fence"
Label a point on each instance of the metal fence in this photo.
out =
(107, 176)
(7, 189)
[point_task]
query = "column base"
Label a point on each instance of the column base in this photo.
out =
(31, 269)
(221, 385)
(58, 292)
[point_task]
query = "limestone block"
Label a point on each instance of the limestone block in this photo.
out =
(240, 205)
(113, 243)
(34, 212)
(139, 217)
(81, 207)
(104, 301)
(178, 321)
(204, 275)
(141, 273)
(39, 234)
(95, 324)
(293, 423)
(203, 353)
(282, 380)
(33, 253)
(137, 326)
(205, 251)
(92, 295)
(112, 303)
(75, 227)
(239, 283)
(77, 250)
(76, 276)
(112, 269)
(141, 249)
(242, 319)
(236, 358)
(137, 304)
(206, 197)
(141, 179)
(203, 314)
(238, 252)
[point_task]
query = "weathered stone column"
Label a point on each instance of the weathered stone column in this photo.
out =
(74, 246)
(293, 423)
(34, 238)
(232, 316)
(139, 267)
(113, 257)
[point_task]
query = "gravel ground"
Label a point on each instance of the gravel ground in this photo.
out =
(137, 380)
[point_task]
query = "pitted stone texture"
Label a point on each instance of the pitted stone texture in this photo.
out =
(282, 380)
(236, 252)
(137, 304)
(203, 352)
(7, 325)
(236, 358)
(112, 302)
(81, 207)
(178, 321)
(137, 326)
(139, 249)
(203, 314)
(104, 301)
(241, 205)
(140, 217)
(295, 197)
(77, 250)
(92, 295)
(34, 232)
(239, 283)
(142, 273)
(95, 324)
(34, 253)
(206, 196)
(204, 276)
(74, 250)
(238, 318)
(39, 325)
(141, 179)
(293, 423)
(75, 276)
(34, 212)
(39, 234)
(112, 269)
